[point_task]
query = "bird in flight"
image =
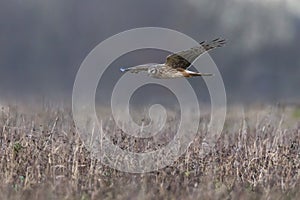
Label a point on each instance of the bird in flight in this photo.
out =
(177, 64)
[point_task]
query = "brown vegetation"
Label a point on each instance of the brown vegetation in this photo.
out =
(257, 156)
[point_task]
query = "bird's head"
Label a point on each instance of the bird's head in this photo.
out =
(152, 70)
(135, 69)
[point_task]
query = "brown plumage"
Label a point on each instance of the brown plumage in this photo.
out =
(176, 64)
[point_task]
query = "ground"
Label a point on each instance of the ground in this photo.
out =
(257, 156)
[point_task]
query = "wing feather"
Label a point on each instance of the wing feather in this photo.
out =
(183, 59)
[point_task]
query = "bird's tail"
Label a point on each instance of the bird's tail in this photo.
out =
(192, 74)
(200, 74)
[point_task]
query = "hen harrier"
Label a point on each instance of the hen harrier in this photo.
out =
(177, 64)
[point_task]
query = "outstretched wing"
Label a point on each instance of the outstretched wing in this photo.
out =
(183, 59)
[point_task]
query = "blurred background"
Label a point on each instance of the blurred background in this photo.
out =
(43, 43)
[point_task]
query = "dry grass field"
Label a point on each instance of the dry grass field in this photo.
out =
(256, 157)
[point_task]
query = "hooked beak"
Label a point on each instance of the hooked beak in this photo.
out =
(122, 69)
(135, 69)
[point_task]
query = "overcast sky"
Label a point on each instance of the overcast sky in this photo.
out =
(43, 43)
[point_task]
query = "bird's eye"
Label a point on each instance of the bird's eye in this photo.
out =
(152, 70)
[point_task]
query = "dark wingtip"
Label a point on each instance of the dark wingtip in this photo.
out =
(220, 42)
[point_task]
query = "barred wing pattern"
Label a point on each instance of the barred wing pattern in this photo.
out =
(183, 59)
